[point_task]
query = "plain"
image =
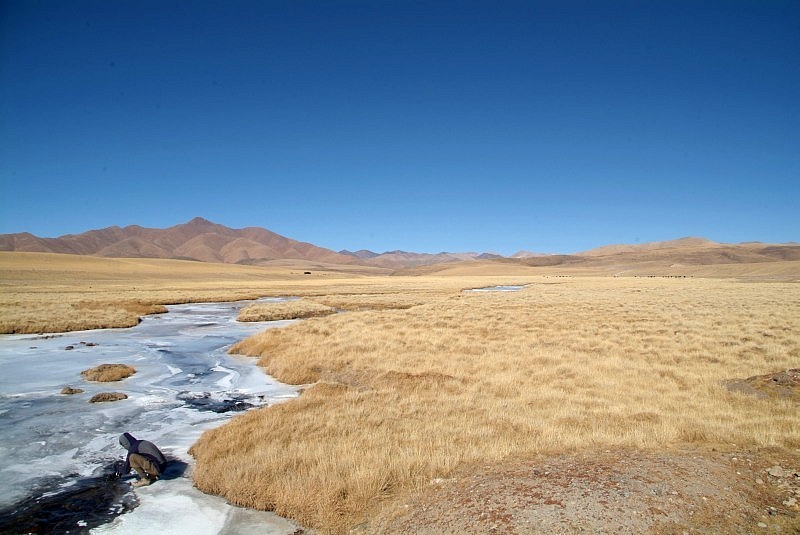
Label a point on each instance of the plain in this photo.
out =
(416, 380)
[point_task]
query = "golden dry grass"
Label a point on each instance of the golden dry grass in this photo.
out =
(375, 301)
(285, 310)
(401, 396)
(418, 380)
(107, 373)
(55, 293)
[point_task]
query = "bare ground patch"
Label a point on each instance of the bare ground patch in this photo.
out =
(783, 385)
(609, 492)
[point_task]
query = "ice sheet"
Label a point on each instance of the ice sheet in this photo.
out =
(506, 288)
(48, 441)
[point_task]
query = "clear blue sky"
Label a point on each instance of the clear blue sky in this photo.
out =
(424, 126)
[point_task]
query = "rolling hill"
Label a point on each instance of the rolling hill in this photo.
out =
(204, 241)
(405, 259)
(198, 239)
(675, 258)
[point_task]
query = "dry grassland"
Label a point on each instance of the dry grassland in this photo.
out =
(446, 380)
(419, 380)
(55, 293)
(286, 310)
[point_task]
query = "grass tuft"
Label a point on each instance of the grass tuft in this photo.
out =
(106, 373)
(103, 397)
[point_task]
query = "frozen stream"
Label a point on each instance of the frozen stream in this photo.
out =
(56, 451)
(506, 288)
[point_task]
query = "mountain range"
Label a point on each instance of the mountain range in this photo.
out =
(205, 241)
(198, 239)
(202, 240)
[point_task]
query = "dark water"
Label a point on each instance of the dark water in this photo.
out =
(204, 401)
(82, 503)
(86, 504)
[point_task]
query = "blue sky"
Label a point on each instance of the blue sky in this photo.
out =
(422, 126)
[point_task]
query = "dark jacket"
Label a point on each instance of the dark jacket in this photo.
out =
(144, 448)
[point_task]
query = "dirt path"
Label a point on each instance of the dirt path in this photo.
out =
(612, 492)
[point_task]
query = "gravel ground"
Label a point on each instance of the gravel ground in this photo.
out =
(611, 492)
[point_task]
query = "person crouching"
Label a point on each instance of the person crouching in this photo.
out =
(144, 457)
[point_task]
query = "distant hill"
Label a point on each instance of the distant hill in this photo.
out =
(528, 254)
(682, 257)
(681, 243)
(697, 251)
(405, 259)
(199, 239)
(673, 253)
(202, 240)
(362, 254)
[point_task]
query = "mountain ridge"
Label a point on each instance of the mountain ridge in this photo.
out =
(202, 240)
(197, 239)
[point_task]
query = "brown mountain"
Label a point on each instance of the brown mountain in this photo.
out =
(205, 241)
(405, 259)
(686, 251)
(698, 251)
(682, 257)
(682, 243)
(198, 239)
